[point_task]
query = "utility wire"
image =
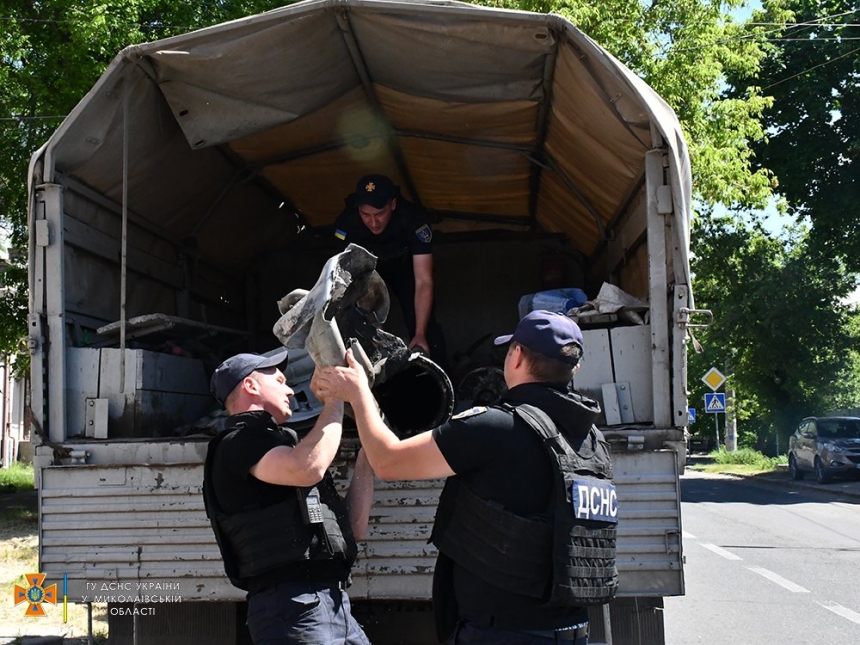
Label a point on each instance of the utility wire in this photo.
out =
(28, 118)
(816, 22)
(806, 71)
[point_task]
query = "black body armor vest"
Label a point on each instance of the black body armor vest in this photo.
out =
(564, 556)
(258, 540)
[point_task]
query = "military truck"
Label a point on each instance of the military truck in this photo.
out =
(197, 183)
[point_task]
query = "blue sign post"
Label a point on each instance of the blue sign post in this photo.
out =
(691, 415)
(715, 402)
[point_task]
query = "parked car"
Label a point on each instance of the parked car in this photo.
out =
(826, 446)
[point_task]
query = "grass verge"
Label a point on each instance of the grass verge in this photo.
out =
(17, 478)
(744, 461)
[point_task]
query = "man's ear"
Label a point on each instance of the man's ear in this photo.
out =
(517, 355)
(393, 203)
(250, 385)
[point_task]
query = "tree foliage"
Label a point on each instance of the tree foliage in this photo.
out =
(781, 331)
(813, 143)
(53, 51)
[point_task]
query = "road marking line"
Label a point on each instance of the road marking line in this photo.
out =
(721, 551)
(782, 582)
(853, 616)
(688, 536)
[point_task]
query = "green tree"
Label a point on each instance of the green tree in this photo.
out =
(781, 329)
(813, 143)
(53, 51)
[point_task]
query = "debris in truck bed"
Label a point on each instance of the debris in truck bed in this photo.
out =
(610, 305)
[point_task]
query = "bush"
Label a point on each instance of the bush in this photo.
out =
(18, 477)
(746, 457)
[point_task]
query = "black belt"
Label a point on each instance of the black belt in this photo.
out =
(572, 634)
(315, 585)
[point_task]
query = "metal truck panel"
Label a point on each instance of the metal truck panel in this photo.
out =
(122, 529)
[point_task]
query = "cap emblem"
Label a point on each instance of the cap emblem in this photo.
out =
(370, 187)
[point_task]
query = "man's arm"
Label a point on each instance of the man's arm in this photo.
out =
(423, 268)
(417, 457)
(307, 462)
(359, 496)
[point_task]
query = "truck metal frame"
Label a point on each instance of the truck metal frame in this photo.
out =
(196, 183)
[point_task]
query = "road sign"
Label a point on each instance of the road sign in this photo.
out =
(713, 378)
(715, 402)
(691, 415)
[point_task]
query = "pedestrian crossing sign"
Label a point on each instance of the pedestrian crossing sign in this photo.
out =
(715, 402)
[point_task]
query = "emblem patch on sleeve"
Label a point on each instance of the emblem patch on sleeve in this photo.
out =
(339, 234)
(424, 233)
(471, 412)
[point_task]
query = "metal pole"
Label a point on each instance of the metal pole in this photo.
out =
(124, 242)
(717, 427)
(607, 624)
(731, 422)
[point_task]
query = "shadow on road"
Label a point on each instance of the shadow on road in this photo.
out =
(727, 488)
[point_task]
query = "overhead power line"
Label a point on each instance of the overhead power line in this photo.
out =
(806, 71)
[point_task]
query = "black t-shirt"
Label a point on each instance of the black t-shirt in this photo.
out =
(505, 463)
(408, 233)
(235, 487)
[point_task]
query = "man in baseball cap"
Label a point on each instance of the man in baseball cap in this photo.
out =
(234, 370)
(550, 334)
(397, 232)
(501, 468)
(284, 532)
(374, 190)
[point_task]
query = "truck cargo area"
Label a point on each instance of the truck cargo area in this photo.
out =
(197, 184)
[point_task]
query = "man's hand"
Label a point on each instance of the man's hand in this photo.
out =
(315, 387)
(420, 343)
(342, 383)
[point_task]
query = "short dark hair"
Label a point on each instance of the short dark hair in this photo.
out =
(552, 370)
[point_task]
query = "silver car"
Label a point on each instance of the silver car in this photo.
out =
(826, 446)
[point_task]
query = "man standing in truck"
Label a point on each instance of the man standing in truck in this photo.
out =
(285, 534)
(506, 574)
(396, 231)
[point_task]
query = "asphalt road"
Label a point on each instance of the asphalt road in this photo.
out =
(767, 562)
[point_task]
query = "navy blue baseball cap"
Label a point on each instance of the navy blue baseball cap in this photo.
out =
(232, 371)
(374, 190)
(546, 333)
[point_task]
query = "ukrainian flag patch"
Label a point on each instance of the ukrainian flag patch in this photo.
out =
(339, 234)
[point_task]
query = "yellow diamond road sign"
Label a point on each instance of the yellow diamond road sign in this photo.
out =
(713, 378)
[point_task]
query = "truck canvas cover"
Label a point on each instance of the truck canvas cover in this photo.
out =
(486, 117)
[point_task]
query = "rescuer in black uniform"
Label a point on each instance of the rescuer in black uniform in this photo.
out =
(506, 573)
(396, 231)
(285, 534)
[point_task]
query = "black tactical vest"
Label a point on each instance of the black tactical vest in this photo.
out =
(258, 540)
(564, 556)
